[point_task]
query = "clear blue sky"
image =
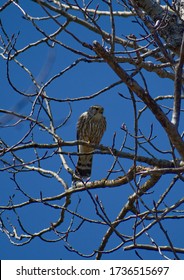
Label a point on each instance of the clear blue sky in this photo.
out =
(83, 80)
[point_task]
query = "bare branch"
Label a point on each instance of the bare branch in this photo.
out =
(170, 129)
(178, 88)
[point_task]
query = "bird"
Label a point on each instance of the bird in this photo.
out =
(91, 126)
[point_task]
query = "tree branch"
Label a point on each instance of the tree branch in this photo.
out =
(129, 206)
(178, 87)
(169, 128)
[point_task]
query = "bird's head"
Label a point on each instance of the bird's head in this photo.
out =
(95, 110)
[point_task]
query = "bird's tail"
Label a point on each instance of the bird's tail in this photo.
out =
(84, 165)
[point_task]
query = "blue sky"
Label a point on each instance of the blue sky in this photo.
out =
(83, 80)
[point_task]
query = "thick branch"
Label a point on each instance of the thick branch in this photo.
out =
(82, 186)
(178, 87)
(169, 128)
(128, 207)
(162, 163)
(172, 30)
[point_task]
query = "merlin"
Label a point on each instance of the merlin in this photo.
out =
(91, 126)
